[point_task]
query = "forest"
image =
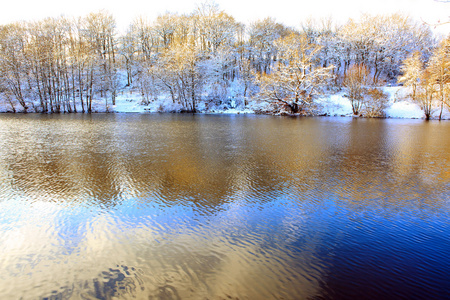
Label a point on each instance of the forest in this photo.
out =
(206, 57)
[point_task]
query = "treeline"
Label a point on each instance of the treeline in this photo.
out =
(59, 62)
(62, 64)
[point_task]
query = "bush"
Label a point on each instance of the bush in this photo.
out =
(375, 103)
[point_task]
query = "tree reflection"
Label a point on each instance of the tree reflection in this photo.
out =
(206, 160)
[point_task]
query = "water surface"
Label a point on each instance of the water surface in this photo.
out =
(251, 207)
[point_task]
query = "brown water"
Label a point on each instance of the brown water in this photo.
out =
(123, 206)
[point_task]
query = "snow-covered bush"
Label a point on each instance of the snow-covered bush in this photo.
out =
(375, 103)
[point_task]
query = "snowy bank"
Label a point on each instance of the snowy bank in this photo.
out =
(331, 105)
(130, 101)
(338, 105)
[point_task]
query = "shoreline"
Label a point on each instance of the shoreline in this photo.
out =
(282, 114)
(331, 105)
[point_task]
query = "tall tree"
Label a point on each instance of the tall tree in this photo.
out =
(295, 79)
(412, 70)
(13, 65)
(439, 67)
(357, 80)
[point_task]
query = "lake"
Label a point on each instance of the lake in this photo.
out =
(177, 206)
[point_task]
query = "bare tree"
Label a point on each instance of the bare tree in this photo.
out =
(439, 68)
(426, 95)
(13, 65)
(357, 79)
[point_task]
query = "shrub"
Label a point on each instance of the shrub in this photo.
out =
(375, 103)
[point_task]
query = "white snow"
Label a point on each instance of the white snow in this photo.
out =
(332, 105)
(400, 107)
(404, 109)
(130, 101)
(335, 105)
(338, 105)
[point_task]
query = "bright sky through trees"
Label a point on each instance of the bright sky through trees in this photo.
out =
(288, 12)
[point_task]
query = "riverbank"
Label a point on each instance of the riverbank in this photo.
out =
(130, 101)
(327, 105)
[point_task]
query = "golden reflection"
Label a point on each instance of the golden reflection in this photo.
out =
(223, 167)
(208, 159)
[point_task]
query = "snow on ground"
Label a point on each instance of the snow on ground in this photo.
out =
(332, 105)
(130, 101)
(401, 108)
(335, 105)
(404, 109)
(338, 105)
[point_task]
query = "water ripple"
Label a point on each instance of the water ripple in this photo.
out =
(192, 207)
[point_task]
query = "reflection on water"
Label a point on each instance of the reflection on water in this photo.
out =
(248, 207)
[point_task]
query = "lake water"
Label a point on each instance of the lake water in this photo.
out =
(145, 206)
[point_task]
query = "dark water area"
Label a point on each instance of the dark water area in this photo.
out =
(147, 206)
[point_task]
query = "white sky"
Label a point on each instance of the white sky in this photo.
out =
(288, 12)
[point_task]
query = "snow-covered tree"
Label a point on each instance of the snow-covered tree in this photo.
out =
(100, 31)
(430, 83)
(261, 48)
(412, 70)
(128, 49)
(60, 64)
(439, 67)
(383, 42)
(216, 28)
(13, 67)
(165, 26)
(180, 73)
(295, 79)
